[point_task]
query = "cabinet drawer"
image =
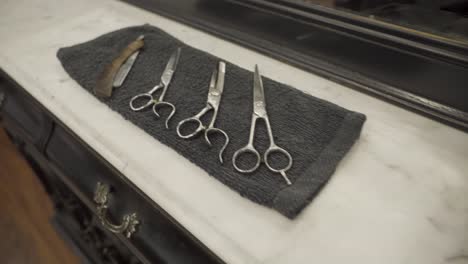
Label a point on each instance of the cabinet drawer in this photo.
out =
(23, 116)
(157, 237)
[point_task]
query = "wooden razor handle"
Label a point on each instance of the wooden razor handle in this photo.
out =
(104, 83)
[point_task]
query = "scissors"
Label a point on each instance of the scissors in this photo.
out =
(215, 92)
(148, 97)
(259, 112)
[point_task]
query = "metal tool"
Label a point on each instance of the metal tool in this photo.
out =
(259, 112)
(215, 92)
(115, 73)
(148, 99)
(124, 70)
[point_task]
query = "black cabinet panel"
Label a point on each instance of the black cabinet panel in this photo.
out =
(70, 171)
(24, 116)
(157, 235)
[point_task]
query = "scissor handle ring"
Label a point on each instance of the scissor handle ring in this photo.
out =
(246, 149)
(149, 101)
(273, 149)
(200, 127)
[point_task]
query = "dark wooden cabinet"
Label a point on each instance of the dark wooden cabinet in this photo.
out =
(71, 172)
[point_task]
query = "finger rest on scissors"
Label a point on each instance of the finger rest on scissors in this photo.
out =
(135, 102)
(226, 140)
(159, 104)
(187, 122)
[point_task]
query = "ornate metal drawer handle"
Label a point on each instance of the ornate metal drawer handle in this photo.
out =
(129, 221)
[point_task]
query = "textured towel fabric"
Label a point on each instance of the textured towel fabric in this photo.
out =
(315, 132)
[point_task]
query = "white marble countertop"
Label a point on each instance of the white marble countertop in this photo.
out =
(399, 196)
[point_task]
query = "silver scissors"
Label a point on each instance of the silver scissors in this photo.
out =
(215, 92)
(259, 112)
(148, 97)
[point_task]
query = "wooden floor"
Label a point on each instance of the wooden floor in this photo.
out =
(26, 235)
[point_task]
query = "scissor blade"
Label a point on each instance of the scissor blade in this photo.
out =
(221, 73)
(170, 67)
(217, 79)
(212, 87)
(258, 94)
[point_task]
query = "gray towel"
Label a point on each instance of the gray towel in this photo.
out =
(316, 133)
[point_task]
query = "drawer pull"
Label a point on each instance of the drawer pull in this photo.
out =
(129, 221)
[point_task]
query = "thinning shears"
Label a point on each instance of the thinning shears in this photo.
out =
(147, 99)
(260, 112)
(215, 92)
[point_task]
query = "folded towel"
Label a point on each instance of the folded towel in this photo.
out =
(316, 133)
